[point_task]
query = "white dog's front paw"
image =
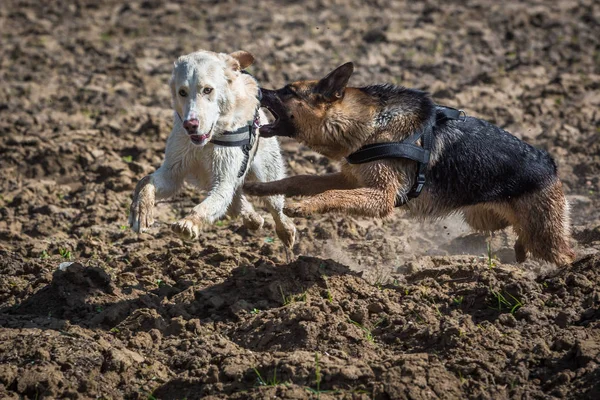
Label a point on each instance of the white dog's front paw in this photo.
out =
(187, 228)
(141, 216)
(141, 211)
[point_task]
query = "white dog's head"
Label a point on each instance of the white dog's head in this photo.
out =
(203, 91)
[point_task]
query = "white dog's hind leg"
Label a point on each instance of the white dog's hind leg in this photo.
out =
(284, 226)
(242, 207)
(268, 166)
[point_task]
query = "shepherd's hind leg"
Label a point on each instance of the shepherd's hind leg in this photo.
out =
(242, 207)
(520, 250)
(543, 225)
(490, 218)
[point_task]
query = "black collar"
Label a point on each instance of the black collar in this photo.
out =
(241, 136)
(408, 148)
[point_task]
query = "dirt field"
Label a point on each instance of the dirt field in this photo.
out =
(369, 309)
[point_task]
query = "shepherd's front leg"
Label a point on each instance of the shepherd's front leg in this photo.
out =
(299, 185)
(368, 202)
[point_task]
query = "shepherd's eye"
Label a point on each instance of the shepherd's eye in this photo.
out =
(182, 92)
(207, 90)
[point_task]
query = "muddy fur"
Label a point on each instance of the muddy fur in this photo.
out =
(494, 179)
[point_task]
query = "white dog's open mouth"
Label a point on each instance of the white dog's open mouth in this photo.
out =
(201, 139)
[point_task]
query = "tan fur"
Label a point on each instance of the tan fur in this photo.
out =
(332, 129)
(539, 219)
(243, 58)
(542, 224)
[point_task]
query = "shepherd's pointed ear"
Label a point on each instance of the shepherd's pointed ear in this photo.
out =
(333, 85)
(244, 58)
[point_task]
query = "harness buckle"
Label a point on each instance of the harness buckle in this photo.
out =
(418, 189)
(462, 115)
(253, 128)
(419, 184)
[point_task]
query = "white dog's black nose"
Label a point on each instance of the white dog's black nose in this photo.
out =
(191, 126)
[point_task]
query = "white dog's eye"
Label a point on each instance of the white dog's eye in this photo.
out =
(182, 92)
(207, 90)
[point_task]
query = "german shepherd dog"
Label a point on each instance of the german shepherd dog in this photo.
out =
(475, 168)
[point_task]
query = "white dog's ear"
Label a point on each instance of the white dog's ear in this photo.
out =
(243, 58)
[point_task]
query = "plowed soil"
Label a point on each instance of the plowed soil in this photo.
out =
(365, 309)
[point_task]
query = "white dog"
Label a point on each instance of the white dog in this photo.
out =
(214, 144)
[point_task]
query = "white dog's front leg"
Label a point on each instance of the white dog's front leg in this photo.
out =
(225, 167)
(163, 183)
(140, 212)
(211, 209)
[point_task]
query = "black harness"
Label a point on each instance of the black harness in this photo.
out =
(244, 137)
(409, 149)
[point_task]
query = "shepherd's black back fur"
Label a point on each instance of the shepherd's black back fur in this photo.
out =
(477, 161)
(481, 162)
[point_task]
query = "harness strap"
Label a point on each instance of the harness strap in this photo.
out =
(379, 151)
(239, 137)
(244, 137)
(247, 148)
(408, 149)
(450, 113)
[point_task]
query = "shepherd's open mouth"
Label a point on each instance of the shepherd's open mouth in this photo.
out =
(275, 120)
